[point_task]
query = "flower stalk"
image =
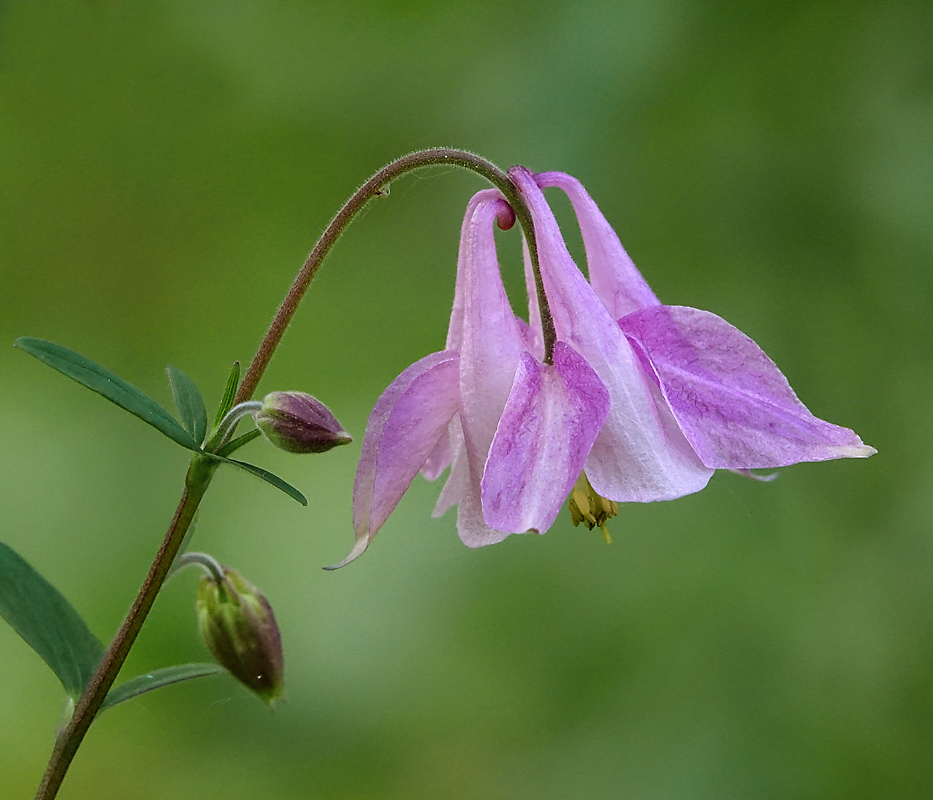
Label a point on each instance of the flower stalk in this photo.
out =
(69, 740)
(202, 469)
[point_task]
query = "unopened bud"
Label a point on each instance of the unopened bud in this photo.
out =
(299, 423)
(238, 626)
(590, 508)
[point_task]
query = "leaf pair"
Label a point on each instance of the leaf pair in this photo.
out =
(189, 433)
(49, 624)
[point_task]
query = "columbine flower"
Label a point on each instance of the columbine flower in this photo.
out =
(645, 408)
(448, 407)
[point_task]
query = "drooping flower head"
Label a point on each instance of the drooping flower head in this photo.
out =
(639, 400)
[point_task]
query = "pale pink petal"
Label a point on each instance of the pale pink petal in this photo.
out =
(731, 401)
(533, 335)
(455, 328)
(640, 454)
(613, 275)
(438, 460)
(471, 525)
(459, 470)
(492, 342)
(544, 437)
(418, 420)
(404, 427)
(747, 473)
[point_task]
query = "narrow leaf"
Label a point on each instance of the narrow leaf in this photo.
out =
(236, 444)
(47, 622)
(190, 403)
(226, 403)
(105, 383)
(267, 476)
(156, 680)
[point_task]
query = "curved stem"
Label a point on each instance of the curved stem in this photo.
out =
(208, 563)
(372, 187)
(201, 470)
(229, 422)
(71, 736)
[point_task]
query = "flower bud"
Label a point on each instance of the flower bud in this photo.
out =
(299, 423)
(238, 626)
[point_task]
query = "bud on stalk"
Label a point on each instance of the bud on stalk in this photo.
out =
(238, 626)
(299, 423)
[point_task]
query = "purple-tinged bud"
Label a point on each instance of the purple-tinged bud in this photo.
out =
(299, 423)
(238, 626)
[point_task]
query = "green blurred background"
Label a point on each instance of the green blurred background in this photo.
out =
(164, 169)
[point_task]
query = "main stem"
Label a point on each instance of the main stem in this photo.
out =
(201, 471)
(70, 738)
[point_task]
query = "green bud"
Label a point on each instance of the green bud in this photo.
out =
(238, 626)
(590, 508)
(299, 423)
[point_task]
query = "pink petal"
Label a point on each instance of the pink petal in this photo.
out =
(438, 460)
(547, 429)
(491, 344)
(405, 426)
(533, 334)
(455, 328)
(731, 401)
(463, 491)
(640, 454)
(471, 525)
(613, 275)
(459, 470)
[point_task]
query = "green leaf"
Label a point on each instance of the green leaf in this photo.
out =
(267, 476)
(233, 383)
(105, 383)
(190, 403)
(156, 680)
(236, 444)
(47, 622)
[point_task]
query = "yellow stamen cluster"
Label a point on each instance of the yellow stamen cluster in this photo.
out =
(590, 508)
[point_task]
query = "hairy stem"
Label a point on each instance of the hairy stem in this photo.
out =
(69, 740)
(201, 470)
(373, 187)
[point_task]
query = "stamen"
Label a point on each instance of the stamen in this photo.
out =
(590, 508)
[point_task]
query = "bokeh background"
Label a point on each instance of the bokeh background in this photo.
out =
(164, 169)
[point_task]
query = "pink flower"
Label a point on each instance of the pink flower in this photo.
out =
(647, 400)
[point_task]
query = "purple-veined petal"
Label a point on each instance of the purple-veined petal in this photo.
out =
(732, 402)
(545, 434)
(491, 344)
(404, 427)
(455, 328)
(440, 458)
(613, 275)
(640, 455)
